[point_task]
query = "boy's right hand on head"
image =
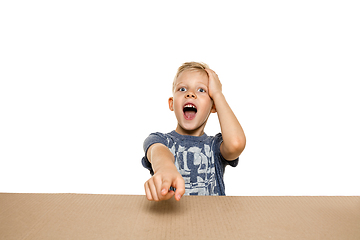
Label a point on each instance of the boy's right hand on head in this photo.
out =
(157, 188)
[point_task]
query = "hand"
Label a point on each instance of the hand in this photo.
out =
(157, 187)
(214, 83)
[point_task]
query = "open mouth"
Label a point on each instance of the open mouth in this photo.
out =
(190, 111)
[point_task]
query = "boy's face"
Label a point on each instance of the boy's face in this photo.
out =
(191, 102)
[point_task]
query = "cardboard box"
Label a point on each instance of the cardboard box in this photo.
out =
(81, 216)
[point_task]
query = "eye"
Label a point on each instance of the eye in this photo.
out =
(182, 89)
(201, 90)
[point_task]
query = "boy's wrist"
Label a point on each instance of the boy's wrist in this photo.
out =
(164, 166)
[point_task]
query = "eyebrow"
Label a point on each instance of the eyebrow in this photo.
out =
(198, 83)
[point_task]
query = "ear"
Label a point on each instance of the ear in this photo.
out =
(171, 103)
(213, 109)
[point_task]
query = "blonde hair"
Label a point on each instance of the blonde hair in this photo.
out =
(193, 66)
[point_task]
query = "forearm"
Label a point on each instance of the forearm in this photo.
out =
(233, 135)
(160, 156)
(166, 175)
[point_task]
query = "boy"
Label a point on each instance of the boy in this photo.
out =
(187, 159)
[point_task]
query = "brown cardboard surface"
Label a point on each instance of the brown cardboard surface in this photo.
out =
(81, 216)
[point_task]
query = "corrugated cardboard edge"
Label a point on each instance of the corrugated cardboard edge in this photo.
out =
(87, 216)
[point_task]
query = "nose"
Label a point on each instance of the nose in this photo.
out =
(190, 95)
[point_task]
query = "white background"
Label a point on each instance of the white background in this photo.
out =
(83, 83)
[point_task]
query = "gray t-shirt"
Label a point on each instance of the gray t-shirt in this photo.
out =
(198, 159)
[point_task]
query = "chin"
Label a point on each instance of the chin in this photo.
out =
(192, 126)
(188, 127)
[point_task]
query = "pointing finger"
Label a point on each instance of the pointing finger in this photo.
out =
(165, 186)
(179, 184)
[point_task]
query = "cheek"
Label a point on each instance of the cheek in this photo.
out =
(177, 106)
(207, 102)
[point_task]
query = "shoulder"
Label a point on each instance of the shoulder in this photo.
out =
(215, 140)
(158, 137)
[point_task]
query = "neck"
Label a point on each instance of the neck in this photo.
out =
(195, 132)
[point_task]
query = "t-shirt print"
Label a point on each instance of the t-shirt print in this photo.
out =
(197, 167)
(198, 159)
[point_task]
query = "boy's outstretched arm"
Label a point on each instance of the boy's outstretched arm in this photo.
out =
(234, 140)
(165, 175)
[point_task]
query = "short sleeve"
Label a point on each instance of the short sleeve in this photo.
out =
(217, 142)
(150, 140)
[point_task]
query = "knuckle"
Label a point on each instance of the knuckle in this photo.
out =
(156, 178)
